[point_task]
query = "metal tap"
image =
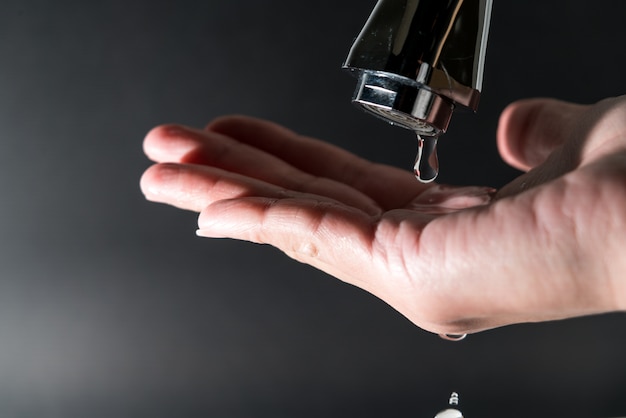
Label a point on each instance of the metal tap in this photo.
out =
(417, 60)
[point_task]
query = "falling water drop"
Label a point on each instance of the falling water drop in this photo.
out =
(426, 164)
(453, 337)
(452, 412)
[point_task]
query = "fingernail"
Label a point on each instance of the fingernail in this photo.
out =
(205, 233)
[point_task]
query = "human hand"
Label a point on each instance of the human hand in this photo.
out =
(449, 259)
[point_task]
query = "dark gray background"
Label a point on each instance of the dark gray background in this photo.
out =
(111, 307)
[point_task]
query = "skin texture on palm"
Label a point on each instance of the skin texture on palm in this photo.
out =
(451, 259)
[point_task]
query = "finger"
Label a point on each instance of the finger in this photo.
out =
(389, 186)
(310, 155)
(181, 144)
(171, 143)
(556, 138)
(332, 237)
(193, 187)
(530, 130)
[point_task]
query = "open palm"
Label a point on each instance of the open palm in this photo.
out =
(451, 259)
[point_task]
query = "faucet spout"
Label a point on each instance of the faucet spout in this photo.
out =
(417, 60)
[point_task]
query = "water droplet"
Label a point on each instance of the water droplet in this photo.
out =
(453, 337)
(452, 412)
(449, 413)
(426, 164)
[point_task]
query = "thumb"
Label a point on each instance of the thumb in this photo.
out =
(530, 130)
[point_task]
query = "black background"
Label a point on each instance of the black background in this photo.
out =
(110, 306)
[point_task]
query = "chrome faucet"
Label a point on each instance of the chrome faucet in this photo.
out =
(417, 60)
